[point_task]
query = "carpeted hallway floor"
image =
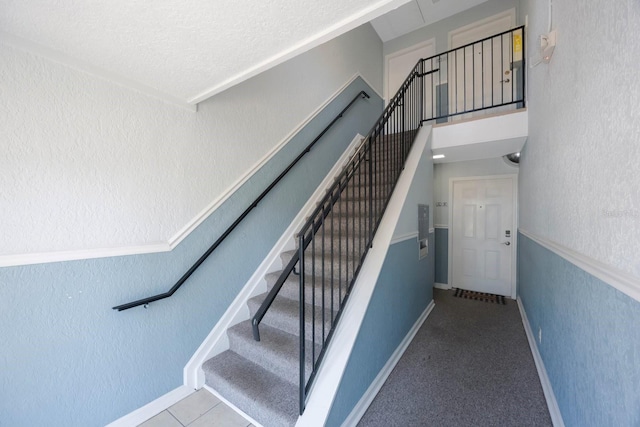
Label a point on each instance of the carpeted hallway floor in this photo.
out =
(469, 365)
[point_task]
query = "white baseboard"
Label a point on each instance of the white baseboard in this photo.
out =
(152, 409)
(444, 286)
(217, 341)
(366, 399)
(552, 403)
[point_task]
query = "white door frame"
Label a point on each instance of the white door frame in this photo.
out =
(514, 242)
(431, 42)
(511, 13)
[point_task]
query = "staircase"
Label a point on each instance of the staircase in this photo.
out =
(262, 377)
(269, 368)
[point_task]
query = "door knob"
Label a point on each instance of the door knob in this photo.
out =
(506, 243)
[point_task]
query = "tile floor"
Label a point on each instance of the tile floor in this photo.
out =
(199, 409)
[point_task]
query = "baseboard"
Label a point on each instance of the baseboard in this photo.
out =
(550, 397)
(216, 342)
(444, 286)
(366, 399)
(152, 409)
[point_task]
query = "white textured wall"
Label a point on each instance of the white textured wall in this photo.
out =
(580, 170)
(88, 164)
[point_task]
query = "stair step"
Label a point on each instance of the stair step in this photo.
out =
(277, 351)
(284, 314)
(335, 267)
(261, 394)
(291, 289)
(356, 196)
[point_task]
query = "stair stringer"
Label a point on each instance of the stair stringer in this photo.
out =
(217, 341)
(330, 374)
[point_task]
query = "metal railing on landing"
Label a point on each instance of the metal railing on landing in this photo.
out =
(214, 246)
(486, 74)
(334, 241)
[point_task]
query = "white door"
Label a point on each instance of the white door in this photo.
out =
(483, 235)
(400, 64)
(481, 74)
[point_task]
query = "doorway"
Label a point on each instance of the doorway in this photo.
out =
(482, 242)
(482, 74)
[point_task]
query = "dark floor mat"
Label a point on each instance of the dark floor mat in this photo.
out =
(480, 296)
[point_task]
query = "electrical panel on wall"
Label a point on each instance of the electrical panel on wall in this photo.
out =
(423, 230)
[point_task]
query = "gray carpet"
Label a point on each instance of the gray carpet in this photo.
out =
(262, 378)
(469, 365)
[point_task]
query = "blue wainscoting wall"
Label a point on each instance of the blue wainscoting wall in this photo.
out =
(442, 255)
(590, 338)
(403, 291)
(68, 359)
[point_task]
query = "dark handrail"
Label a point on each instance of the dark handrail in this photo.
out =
(224, 235)
(271, 296)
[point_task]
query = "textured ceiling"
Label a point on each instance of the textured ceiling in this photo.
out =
(186, 51)
(183, 51)
(416, 14)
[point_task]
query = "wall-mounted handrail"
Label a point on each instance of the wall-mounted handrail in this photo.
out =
(362, 94)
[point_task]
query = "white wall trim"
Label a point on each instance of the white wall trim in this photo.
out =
(550, 397)
(368, 396)
(326, 385)
(621, 280)
(174, 241)
(81, 254)
(443, 286)
(152, 409)
(361, 17)
(217, 341)
(403, 237)
(204, 214)
(85, 67)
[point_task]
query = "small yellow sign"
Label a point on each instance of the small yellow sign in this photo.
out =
(517, 43)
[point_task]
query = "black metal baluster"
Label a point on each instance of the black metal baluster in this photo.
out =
(322, 276)
(301, 242)
(313, 294)
(482, 58)
(502, 70)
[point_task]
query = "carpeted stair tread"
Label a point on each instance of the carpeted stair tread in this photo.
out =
(264, 396)
(291, 289)
(348, 264)
(284, 314)
(277, 351)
